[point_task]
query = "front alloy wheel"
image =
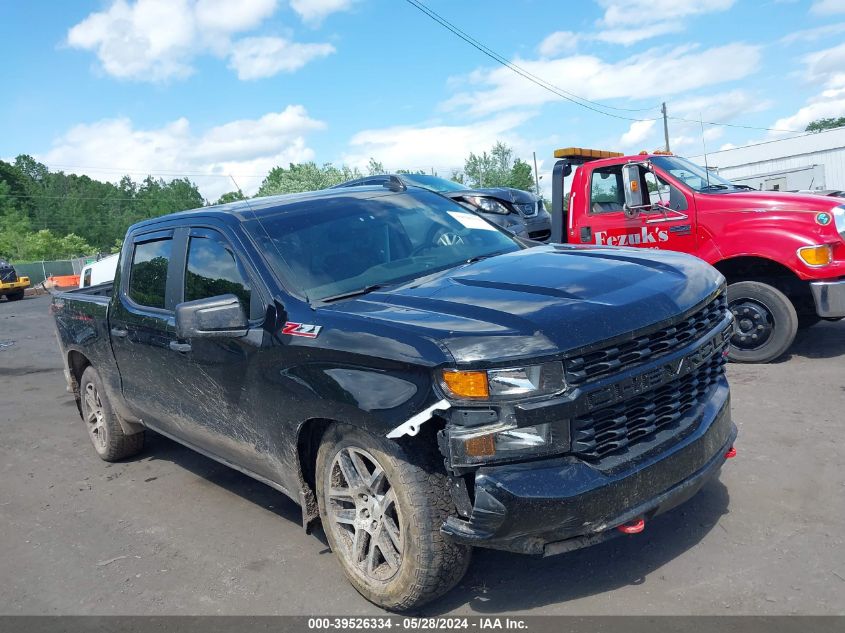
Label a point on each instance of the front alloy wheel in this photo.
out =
(382, 508)
(363, 514)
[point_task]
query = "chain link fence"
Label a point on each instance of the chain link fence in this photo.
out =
(41, 270)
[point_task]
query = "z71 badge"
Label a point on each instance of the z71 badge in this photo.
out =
(301, 329)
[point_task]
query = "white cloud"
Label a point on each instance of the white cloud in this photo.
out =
(443, 147)
(245, 148)
(259, 57)
(558, 42)
(592, 78)
(158, 40)
(637, 133)
(814, 34)
(629, 21)
(828, 7)
(825, 65)
(315, 11)
(828, 104)
(627, 36)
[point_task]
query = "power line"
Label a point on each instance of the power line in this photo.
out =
(560, 92)
(569, 96)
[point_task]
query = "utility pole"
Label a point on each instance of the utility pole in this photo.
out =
(665, 126)
(536, 176)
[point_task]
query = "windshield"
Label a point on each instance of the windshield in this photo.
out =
(434, 183)
(328, 247)
(694, 176)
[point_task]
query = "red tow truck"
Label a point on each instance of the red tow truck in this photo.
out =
(783, 254)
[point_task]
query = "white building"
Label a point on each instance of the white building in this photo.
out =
(809, 161)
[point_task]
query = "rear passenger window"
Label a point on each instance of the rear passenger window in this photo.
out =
(148, 276)
(212, 271)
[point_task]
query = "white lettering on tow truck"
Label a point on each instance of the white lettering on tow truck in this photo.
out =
(644, 236)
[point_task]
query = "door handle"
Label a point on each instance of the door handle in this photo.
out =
(176, 346)
(119, 332)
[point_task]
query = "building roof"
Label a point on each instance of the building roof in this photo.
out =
(776, 148)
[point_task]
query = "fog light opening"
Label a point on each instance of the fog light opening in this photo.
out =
(632, 527)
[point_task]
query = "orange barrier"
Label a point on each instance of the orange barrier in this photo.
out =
(64, 281)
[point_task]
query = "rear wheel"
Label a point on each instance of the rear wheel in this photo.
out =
(381, 512)
(766, 322)
(105, 432)
(15, 296)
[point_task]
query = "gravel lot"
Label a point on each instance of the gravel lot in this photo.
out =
(172, 532)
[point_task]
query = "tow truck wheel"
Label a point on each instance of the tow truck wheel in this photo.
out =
(105, 432)
(381, 510)
(766, 322)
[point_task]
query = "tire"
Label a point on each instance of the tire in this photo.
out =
(396, 521)
(766, 322)
(104, 431)
(15, 296)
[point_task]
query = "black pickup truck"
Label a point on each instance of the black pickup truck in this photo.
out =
(414, 377)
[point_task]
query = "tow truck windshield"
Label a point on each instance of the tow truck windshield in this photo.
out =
(347, 246)
(695, 176)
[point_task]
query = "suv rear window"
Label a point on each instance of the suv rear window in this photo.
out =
(148, 276)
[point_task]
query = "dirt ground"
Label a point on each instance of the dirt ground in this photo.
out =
(172, 532)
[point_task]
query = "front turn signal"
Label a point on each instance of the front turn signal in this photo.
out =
(816, 255)
(467, 384)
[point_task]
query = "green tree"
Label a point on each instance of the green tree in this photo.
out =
(521, 176)
(305, 177)
(375, 168)
(825, 124)
(231, 196)
(498, 169)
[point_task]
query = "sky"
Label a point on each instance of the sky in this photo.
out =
(221, 91)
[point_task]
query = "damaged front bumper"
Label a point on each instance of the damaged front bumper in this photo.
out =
(555, 505)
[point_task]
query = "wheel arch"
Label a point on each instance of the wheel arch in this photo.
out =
(76, 363)
(768, 271)
(308, 439)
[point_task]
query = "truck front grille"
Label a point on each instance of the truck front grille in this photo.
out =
(647, 346)
(615, 428)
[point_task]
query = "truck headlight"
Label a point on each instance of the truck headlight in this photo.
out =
(488, 205)
(500, 442)
(504, 384)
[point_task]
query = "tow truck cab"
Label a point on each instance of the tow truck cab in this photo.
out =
(783, 254)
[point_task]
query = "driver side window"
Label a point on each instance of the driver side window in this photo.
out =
(607, 191)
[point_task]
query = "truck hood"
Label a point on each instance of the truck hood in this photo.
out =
(507, 194)
(540, 301)
(777, 201)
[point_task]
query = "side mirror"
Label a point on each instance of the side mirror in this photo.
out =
(221, 316)
(633, 191)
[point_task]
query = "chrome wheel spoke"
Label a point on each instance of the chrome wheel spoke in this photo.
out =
(389, 551)
(347, 468)
(340, 494)
(371, 557)
(377, 480)
(345, 515)
(390, 529)
(359, 546)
